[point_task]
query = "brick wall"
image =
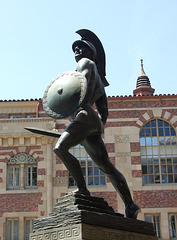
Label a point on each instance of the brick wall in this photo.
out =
(120, 124)
(4, 115)
(141, 102)
(135, 146)
(41, 171)
(156, 198)
(110, 147)
(110, 197)
(136, 173)
(61, 173)
(20, 202)
(7, 152)
(128, 113)
(135, 160)
(40, 183)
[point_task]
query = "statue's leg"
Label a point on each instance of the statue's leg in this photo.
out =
(95, 147)
(72, 136)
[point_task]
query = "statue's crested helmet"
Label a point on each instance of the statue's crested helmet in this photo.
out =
(93, 42)
(84, 43)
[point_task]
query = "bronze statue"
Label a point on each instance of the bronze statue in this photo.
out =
(86, 126)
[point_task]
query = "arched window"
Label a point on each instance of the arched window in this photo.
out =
(158, 145)
(21, 171)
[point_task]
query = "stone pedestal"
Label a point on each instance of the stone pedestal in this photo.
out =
(80, 217)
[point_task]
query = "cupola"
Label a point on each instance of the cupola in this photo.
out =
(143, 85)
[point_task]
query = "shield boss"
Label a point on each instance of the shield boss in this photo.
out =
(65, 94)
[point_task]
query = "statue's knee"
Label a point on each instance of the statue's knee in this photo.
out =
(55, 150)
(59, 149)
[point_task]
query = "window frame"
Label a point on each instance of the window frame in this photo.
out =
(26, 233)
(175, 225)
(31, 176)
(157, 151)
(22, 161)
(13, 186)
(11, 232)
(89, 169)
(156, 224)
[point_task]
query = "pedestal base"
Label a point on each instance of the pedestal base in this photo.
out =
(88, 232)
(89, 218)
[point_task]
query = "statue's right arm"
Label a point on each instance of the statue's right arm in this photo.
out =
(85, 67)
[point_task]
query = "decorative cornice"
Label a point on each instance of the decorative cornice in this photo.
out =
(32, 120)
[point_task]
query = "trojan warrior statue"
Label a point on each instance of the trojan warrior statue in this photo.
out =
(73, 94)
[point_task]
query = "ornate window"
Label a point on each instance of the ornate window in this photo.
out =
(172, 225)
(158, 152)
(12, 229)
(22, 172)
(92, 174)
(155, 219)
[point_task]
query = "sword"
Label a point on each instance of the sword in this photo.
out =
(49, 133)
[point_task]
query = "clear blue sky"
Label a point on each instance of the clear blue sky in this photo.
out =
(36, 38)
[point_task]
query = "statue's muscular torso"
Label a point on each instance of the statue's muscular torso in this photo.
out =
(95, 90)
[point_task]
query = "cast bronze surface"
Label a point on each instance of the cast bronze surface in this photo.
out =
(49, 133)
(65, 94)
(90, 37)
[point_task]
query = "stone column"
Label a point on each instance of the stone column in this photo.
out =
(49, 175)
(21, 227)
(123, 161)
(22, 176)
(164, 225)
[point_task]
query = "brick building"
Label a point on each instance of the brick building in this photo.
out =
(140, 135)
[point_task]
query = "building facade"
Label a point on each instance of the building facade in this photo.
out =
(140, 136)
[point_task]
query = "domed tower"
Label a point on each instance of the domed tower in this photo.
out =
(143, 85)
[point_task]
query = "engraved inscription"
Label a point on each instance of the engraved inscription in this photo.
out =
(122, 139)
(123, 154)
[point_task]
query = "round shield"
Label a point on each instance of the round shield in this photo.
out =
(65, 94)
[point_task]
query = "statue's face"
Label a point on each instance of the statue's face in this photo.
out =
(83, 52)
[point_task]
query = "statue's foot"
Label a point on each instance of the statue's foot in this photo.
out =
(132, 211)
(83, 191)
